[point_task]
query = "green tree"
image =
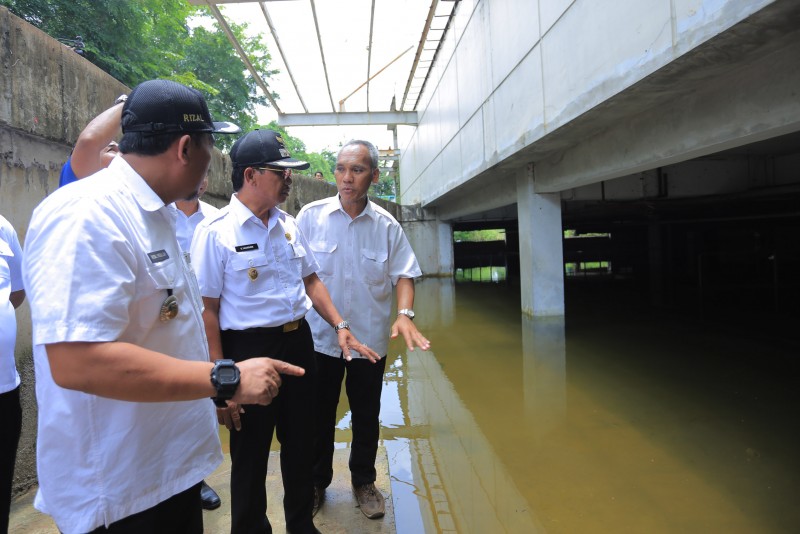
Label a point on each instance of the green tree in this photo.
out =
(145, 39)
(210, 58)
(132, 41)
(480, 235)
(172, 39)
(385, 188)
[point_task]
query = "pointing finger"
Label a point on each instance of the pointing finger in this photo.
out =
(288, 369)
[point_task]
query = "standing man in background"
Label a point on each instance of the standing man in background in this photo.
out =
(363, 253)
(189, 213)
(95, 147)
(12, 294)
(258, 281)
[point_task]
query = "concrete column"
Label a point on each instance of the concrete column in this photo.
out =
(445, 235)
(541, 252)
(432, 241)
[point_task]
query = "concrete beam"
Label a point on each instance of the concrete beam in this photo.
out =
(755, 102)
(355, 118)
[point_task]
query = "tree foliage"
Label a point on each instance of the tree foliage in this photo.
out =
(132, 41)
(480, 235)
(324, 162)
(144, 39)
(386, 187)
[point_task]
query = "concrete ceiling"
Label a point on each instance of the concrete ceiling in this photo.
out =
(752, 41)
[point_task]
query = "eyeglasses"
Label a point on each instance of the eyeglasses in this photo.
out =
(285, 172)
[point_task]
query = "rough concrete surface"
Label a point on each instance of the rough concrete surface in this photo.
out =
(339, 514)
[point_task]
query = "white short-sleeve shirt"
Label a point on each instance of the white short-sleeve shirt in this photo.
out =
(186, 225)
(10, 280)
(256, 270)
(101, 257)
(360, 262)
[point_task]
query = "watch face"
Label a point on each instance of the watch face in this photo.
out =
(226, 375)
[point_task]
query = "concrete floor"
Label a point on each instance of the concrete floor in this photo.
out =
(339, 514)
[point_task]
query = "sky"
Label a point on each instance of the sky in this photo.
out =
(344, 29)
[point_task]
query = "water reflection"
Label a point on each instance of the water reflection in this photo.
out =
(544, 374)
(616, 421)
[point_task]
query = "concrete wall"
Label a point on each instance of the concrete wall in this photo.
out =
(510, 74)
(47, 94)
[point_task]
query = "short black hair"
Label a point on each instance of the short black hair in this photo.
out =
(237, 178)
(152, 145)
(146, 145)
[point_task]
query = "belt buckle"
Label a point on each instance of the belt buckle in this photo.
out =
(291, 327)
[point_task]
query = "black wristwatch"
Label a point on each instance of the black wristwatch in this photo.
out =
(225, 379)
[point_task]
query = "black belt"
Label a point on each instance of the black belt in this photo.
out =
(271, 341)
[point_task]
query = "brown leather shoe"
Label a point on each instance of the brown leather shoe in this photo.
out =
(370, 500)
(319, 498)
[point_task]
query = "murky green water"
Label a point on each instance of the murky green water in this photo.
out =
(618, 420)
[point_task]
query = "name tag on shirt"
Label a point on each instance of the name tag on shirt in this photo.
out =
(245, 248)
(158, 256)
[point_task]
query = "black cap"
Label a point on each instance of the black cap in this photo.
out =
(163, 106)
(263, 147)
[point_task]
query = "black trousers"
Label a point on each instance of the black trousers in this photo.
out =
(363, 385)
(181, 513)
(291, 416)
(11, 423)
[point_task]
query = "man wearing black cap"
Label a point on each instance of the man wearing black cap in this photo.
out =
(123, 377)
(258, 280)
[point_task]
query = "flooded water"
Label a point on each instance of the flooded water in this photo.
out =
(617, 420)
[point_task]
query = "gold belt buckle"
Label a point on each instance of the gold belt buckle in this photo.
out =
(290, 327)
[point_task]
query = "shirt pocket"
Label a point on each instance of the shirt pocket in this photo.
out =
(323, 252)
(250, 273)
(163, 275)
(162, 280)
(297, 256)
(373, 266)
